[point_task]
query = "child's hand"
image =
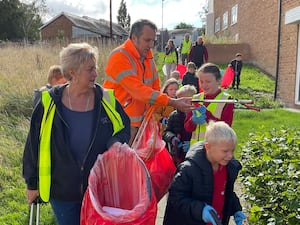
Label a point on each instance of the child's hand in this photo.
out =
(207, 216)
(239, 216)
(175, 140)
(164, 121)
(186, 146)
(198, 118)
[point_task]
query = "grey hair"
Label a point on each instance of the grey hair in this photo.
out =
(138, 26)
(75, 55)
(220, 131)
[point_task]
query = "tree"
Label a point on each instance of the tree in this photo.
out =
(10, 19)
(123, 18)
(20, 20)
(183, 25)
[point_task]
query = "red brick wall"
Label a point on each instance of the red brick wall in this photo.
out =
(288, 58)
(50, 32)
(224, 53)
(256, 25)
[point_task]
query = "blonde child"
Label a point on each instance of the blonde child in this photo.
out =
(55, 77)
(204, 182)
(176, 137)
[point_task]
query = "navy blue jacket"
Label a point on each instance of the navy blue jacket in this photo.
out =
(69, 178)
(192, 188)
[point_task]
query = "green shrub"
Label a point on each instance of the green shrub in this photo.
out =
(271, 176)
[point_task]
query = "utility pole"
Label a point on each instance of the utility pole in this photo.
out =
(162, 25)
(110, 20)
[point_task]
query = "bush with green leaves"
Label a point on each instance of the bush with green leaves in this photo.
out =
(271, 176)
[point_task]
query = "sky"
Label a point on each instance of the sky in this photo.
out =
(166, 15)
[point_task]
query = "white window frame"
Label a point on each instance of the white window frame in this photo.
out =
(225, 21)
(297, 85)
(217, 25)
(234, 14)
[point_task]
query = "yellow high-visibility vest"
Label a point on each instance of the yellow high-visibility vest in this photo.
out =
(108, 102)
(215, 108)
(171, 58)
(186, 47)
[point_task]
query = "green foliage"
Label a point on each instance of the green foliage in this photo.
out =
(271, 176)
(183, 25)
(20, 20)
(123, 17)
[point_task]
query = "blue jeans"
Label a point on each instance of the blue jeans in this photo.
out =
(66, 213)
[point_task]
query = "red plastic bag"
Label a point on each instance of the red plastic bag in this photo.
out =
(227, 77)
(119, 191)
(182, 70)
(151, 148)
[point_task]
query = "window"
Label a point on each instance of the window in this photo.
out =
(297, 94)
(217, 25)
(234, 13)
(225, 20)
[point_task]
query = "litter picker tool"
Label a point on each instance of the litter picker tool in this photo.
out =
(229, 101)
(215, 216)
(35, 207)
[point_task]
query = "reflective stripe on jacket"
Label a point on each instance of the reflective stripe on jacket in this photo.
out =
(108, 102)
(186, 47)
(215, 108)
(134, 80)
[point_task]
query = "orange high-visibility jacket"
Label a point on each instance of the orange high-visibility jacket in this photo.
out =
(135, 81)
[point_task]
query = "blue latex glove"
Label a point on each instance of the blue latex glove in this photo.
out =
(186, 146)
(176, 140)
(164, 121)
(206, 216)
(198, 117)
(201, 109)
(239, 216)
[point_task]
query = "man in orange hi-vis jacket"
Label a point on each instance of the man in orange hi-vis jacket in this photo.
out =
(131, 72)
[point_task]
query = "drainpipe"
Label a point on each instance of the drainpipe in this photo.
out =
(278, 47)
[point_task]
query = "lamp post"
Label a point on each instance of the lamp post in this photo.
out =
(162, 25)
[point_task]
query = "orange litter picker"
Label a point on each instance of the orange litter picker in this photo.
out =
(243, 102)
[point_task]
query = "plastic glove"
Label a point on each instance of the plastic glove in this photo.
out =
(175, 140)
(239, 216)
(202, 109)
(206, 216)
(197, 117)
(164, 121)
(186, 146)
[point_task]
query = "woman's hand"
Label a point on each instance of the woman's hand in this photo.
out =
(31, 195)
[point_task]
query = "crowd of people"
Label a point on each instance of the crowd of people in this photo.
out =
(76, 119)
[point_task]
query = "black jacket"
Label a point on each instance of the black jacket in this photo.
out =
(192, 189)
(69, 178)
(192, 79)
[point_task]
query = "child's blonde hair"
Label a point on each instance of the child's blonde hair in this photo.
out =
(55, 72)
(175, 74)
(186, 91)
(219, 131)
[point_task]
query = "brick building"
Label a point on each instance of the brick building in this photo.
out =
(71, 27)
(271, 29)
